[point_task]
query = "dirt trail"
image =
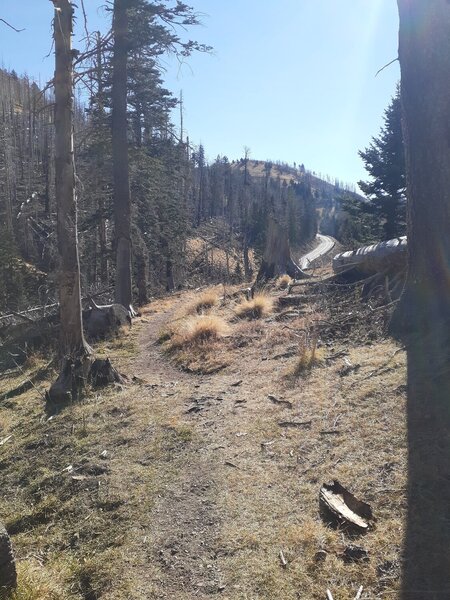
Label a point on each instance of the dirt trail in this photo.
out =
(175, 554)
(216, 485)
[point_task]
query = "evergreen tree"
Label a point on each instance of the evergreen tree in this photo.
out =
(384, 160)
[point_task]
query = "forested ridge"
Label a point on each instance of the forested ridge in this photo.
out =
(174, 192)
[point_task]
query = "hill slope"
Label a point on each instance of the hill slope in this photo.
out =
(188, 481)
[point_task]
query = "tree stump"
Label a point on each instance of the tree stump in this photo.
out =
(75, 375)
(8, 574)
(277, 258)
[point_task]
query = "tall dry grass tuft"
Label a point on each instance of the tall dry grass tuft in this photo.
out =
(309, 356)
(197, 330)
(256, 308)
(204, 302)
(283, 282)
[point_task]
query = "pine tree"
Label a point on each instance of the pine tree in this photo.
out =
(384, 160)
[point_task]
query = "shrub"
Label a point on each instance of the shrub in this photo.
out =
(309, 356)
(204, 302)
(256, 308)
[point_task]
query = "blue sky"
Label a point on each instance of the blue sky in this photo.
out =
(293, 80)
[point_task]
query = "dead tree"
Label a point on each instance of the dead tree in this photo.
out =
(76, 353)
(122, 199)
(376, 258)
(277, 259)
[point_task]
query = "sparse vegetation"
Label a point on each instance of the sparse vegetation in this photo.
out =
(156, 443)
(309, 356)
(258, 307)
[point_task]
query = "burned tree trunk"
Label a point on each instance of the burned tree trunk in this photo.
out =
(277, 258)
(106, 320)
(73, 346)
(122, 200)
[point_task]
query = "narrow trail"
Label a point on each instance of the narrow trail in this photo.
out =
(174, 550)
(216, 477)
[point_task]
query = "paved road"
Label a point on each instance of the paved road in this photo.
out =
(326, 244)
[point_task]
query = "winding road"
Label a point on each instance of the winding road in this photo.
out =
(326, 245)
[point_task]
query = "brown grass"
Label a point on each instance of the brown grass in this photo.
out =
(204, 302)
(198, 330)
(309, 356)
(196, 343)
(283, 282)
(258, 307)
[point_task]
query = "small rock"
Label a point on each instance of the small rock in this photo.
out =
(320, 556)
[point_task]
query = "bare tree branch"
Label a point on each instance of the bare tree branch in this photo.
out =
(12, 27)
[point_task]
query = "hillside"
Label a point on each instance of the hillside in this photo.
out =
(188, 481)
(326, 192)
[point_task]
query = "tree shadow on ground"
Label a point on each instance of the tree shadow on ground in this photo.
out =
(426, 572)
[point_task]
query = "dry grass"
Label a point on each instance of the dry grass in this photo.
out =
(225, 489)
(195, 343)
(258, 307)
(198, 330)
(204, 302)
(309, 356)
(283, 282)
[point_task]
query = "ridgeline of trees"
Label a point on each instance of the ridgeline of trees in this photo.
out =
(173, 190)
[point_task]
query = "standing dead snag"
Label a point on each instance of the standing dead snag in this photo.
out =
(277, 258)
(76, 353)
(122, 200)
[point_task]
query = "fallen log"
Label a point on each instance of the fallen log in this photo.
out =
(285, 301)
(389, 256)
(101, 321)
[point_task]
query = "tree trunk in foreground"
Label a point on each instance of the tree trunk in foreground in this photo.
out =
(76, 364)
(72, 339)
(424, 53)
(277, 258)
(122, 200)
(73, 346)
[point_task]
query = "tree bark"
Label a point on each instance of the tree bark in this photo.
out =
(424, 53)
(122, 200)
(72, 340)
(77, 365)
(8, 574)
